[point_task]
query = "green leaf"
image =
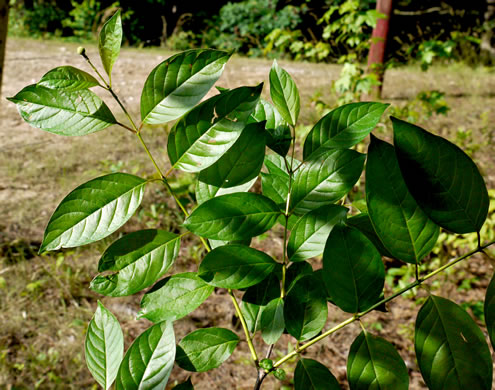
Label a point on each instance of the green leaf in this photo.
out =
(362, 222)
(138, 259)
(68, 78)
(174, 297)
(179, 83)
(353, 270)
(205, 349)
(237, 168)
(93, 211)
(374, 363)
(109, 42)
(149, 360)
(216, 243)
(325, 178)
(443, 179)
(295, 272)
(307, 308)
(284, 94)
(187, 385)
(403, 228)
(450, 348)
(104, 346)
(206, 132)
(63, 112)
(312, 375)
(279, 135)
(235, 266)
(272, 321)
(275, 183)
(233, 217)
(489, 310)
(256, 298)
(307, 239)
(343, 127)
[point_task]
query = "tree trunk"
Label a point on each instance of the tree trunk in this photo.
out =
(487, 38)
(4, 24)
(376, 55)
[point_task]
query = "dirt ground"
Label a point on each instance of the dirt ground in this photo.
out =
(45, 301)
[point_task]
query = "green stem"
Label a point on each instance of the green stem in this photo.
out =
(357, 316)
(245, 327)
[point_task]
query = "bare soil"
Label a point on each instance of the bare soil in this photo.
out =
(45, 301)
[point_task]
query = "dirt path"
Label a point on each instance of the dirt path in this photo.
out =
(37, 169)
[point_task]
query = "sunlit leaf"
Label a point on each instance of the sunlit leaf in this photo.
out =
(149, 360)
(275, 183)
(179, 83)
(174, 297)
(68, 78)
(93, 211)
(109, 41)
(442, 178)
(284, 94)
(343, 127)
(104, 346)
(325, 178)
(237, 168)
(308, 236)
(138, 260)
(205, 349)
(63, 112)
(206, 132)
(451, 350)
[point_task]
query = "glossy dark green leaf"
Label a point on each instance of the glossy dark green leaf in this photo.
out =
(442, 178)
(149, 360)
(308, 237)
(312, 375)
(325, 178)
(109, 42)
(295, 272)
(187, 385)
(205, 349)
(307, 310)
(93, 211)
(68, 78)
(272, 321)
(206, 132)
(174, 297)
(450, 348)
(362, 222)
(343, 127)
(284, 94)
(374, 363)
(63, 112)
(233, 217)
(138, 260)
(179, 83)
(256, 298)
(403, 228)
(489, 310)
(275, 183)
(104, 346)
(235, 266)
(353, 270)
(278, 131)
(237, 168)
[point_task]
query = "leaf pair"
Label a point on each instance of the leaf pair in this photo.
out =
(147, 363)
